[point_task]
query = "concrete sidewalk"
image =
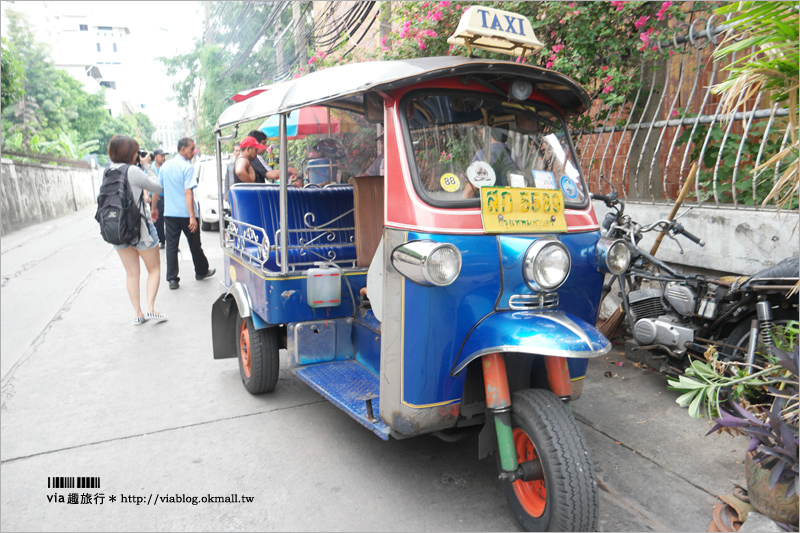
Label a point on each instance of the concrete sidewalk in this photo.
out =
(148, 411)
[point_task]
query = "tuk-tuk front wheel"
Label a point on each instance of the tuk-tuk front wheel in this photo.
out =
(566, 499)
(258, 354)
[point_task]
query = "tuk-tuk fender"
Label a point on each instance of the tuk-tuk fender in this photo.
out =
(244, 303)
(537, 333)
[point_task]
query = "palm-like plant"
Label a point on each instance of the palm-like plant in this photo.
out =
(771, 28)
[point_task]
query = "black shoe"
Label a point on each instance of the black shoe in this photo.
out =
(173, 284)
(211, 272)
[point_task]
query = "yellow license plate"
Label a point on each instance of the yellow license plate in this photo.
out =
(519, 210)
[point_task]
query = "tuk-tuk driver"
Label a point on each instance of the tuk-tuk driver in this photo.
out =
(244, 171)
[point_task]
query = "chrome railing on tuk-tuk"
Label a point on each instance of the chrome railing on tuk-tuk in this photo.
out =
(239, 234)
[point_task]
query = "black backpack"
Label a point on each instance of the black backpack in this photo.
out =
(117, 213)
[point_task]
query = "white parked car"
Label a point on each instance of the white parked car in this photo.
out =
(207, 194)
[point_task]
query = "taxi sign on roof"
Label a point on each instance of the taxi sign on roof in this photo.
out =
(496, 31)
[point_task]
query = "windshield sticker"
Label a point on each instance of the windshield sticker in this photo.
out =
(568, 187)
(450, 182)
(544, 179)
(516, 180)
(481, 174)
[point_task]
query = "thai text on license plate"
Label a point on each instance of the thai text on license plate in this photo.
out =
(522, 210)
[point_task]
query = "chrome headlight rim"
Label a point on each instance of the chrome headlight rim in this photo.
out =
(412, 260)
(605, 250)
(529, 265)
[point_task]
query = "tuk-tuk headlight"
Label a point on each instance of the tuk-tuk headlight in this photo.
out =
(613, 255)
(547, 264)
(428, 263)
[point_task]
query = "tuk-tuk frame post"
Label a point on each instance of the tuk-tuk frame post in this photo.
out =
(284, 212)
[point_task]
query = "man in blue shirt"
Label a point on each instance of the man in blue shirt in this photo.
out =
(159, 156)
(179, 182)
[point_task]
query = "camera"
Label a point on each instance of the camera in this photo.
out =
(145, 153)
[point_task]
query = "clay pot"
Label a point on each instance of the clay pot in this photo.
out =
(769, 502)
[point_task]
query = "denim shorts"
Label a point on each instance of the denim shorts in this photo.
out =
(149, 241)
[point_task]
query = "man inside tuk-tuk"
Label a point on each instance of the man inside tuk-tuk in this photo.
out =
(243, 169)
(499, 158)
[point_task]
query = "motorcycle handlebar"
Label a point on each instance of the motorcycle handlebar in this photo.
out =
(608, 200)
(680, 230)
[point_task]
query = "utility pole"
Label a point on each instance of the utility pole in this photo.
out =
(207, 31)
(300, 44)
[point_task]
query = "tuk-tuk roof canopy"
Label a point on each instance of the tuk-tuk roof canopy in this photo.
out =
(345, 85)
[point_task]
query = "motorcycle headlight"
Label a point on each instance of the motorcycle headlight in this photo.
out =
(547, 265)
(613, 255)
(428, 263)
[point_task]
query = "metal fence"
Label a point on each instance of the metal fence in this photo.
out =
(647, 145)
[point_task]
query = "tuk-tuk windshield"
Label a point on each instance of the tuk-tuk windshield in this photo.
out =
(451, 134)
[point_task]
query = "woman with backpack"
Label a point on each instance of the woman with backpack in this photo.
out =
(123, 152)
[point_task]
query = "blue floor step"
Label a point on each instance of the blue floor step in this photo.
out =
(346, 384)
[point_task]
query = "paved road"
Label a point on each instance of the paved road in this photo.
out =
(148, 411)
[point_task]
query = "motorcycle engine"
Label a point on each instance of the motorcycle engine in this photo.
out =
(665, 331)
(681, 298)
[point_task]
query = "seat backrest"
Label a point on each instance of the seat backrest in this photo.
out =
(368, 200)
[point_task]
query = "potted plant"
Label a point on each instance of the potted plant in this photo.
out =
(761, 402)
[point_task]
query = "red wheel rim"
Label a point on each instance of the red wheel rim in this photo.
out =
(532, 495)
(244, 347)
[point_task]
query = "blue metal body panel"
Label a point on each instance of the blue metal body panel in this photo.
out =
(367, 340)
(282, 300)
(439, 321)
(346, 384)
(535, 332)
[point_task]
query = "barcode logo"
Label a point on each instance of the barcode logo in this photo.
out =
(73, 482)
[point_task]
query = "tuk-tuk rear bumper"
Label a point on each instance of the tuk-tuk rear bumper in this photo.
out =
(553, 333)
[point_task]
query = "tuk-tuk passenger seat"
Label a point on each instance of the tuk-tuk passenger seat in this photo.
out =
(368, 200)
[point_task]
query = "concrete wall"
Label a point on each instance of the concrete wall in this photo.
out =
(33, 193)
(738, 241)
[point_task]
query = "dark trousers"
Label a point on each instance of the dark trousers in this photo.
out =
(160, 221)
(173, 227)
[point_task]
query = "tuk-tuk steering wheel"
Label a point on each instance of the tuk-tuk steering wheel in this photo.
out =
(331, 148)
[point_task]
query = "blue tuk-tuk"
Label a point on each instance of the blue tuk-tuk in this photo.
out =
(455, 290)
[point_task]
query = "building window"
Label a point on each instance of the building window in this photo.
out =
(84, 27)
(115, 47)
(109, 84)
(98, 47)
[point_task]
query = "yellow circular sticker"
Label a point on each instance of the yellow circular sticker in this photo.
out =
(450, 182)
(233, 274)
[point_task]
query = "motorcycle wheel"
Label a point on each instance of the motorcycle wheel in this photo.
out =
(740, 336)
(566, 499)
(258, 355)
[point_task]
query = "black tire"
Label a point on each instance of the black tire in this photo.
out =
(205, 226)
(258, 353)
(545, 428)
(740, 335)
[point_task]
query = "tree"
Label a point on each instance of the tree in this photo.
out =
(236, 55)
(13, 74)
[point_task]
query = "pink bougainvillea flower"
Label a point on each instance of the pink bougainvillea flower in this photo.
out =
(641, 22)
(671, 53)
(549, 64)
(607, 79)
(661, 12)
(608, 89)
(458, 6)
(557, 48)
(604, 68)
(572, 4)
(618, 4)
(561, 21)
(674, 112)
(553, 34)
(422, 46)
(444, 3)
(576, 12)
(311, 61)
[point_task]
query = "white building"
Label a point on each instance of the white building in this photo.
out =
(102, 44)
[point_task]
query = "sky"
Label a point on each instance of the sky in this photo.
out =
(161, 28)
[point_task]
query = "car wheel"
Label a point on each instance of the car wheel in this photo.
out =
(258, 354)
(566, 498)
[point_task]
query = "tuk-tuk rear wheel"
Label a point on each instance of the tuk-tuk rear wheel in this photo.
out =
(258, 355)
(566, 500)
